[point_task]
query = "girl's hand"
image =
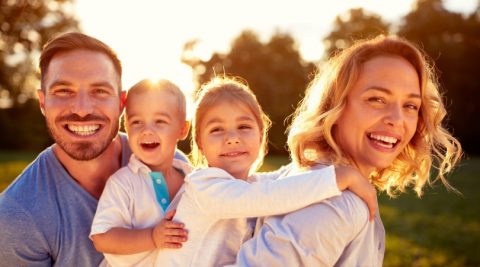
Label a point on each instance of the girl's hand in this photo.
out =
(350, 178)
(169, 234)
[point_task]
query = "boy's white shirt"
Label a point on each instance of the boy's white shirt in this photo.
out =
(129, 201)
(215, 207)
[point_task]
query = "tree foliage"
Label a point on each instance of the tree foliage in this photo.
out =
(274, 71)
(356, 24)
(452, 40)
(25, 26)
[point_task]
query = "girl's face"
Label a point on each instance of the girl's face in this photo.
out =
(381, 113)
(230, 138)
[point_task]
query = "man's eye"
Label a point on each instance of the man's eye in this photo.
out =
(101, 91)
(62, 91)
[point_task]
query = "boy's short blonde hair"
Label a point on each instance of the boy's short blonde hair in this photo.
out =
(310, 138)
(148, 85)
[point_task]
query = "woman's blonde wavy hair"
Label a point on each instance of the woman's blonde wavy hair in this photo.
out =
(233, 90)
(310, 137)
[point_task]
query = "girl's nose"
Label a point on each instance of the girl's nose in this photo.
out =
(232, 138)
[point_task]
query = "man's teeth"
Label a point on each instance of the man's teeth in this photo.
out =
(83, 130)
(386, 139)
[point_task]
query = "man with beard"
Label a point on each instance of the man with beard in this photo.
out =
(46, 213)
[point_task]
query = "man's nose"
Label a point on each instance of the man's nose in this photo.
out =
(82, 104)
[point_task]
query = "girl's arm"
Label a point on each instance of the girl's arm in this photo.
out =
(221, 195)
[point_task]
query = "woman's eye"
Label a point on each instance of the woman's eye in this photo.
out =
(411, 106)
(375, 99)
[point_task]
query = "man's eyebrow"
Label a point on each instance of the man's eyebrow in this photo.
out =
(388, 92)
(102, 84)
(60, 83)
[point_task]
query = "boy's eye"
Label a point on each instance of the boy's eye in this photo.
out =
(160, 121)
(135, 122)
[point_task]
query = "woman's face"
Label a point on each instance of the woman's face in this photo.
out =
(381, 114)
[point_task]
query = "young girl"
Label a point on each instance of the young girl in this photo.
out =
(230, 133)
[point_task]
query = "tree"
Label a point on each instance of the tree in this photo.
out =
(274, 71)
(25, 26)
(452, 41)
(357, 24)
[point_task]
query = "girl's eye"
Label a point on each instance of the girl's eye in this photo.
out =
(244, 127)
(215, 130)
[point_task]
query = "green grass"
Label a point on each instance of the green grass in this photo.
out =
(11, 164)
(440, 229)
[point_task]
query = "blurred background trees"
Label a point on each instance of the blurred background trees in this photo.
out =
(25, 26)
(274, 69)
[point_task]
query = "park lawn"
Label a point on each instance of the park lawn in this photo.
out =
(440, 229)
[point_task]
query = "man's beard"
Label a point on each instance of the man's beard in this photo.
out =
(82, 151)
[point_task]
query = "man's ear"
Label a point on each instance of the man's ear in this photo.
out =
(123, 100)
(41, 100)
(184, 132)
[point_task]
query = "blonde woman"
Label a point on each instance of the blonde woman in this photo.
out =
(375, 106)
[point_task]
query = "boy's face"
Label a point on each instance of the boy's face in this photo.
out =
(154, 125)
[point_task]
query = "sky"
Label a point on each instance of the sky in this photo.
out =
(149, 35)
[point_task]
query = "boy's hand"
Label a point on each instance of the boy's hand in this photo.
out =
(169, 234)
(350, 178)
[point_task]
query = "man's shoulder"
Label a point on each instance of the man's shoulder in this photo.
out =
(35, 189)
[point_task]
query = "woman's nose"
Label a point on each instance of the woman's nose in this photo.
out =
(394, 115)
